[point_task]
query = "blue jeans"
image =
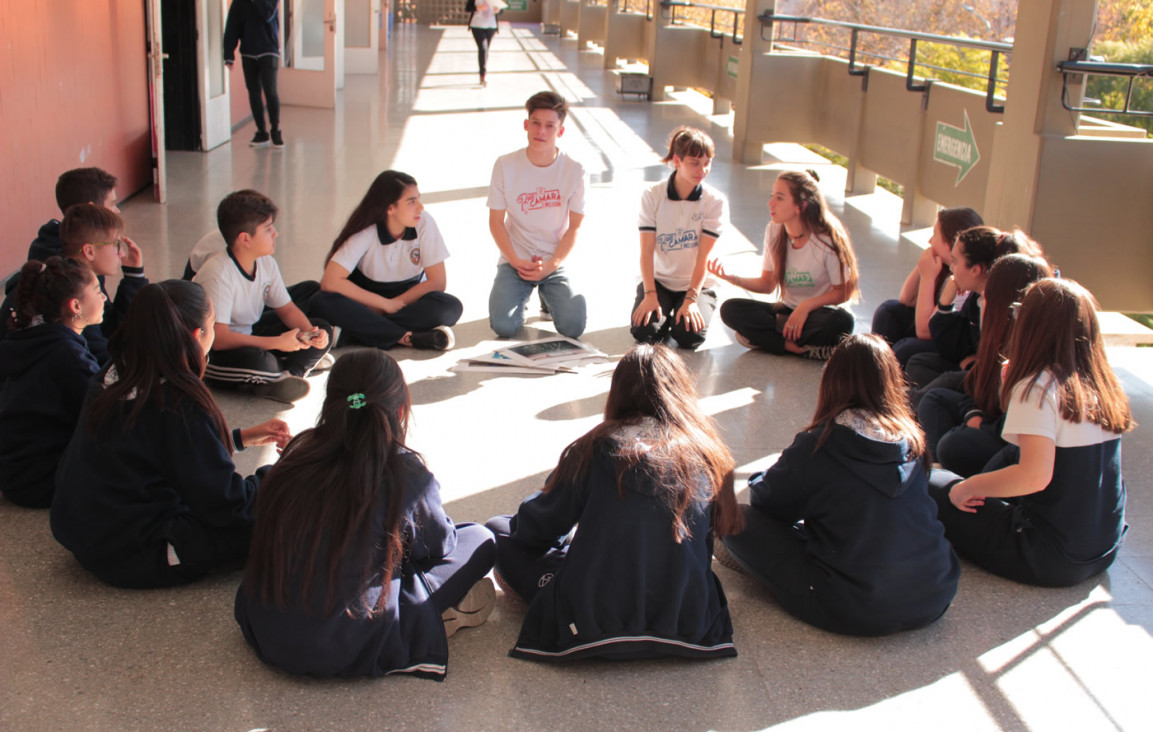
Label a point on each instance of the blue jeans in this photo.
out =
(510, 293)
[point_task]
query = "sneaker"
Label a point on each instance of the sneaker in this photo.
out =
(472, 610)
(506, 588)
(284, 388)
(277, 140)
(819, 353)
(260, 139)
(725, 558)
(743, 341)
(439, 338)
(326, 362)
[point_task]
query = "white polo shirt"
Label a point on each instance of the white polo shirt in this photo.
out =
(678, 225)
(238, 298)
(382, 258)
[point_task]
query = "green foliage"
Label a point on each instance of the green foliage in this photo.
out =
(964, 67)
(1111, 89)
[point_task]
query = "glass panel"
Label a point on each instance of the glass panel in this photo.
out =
(215, 48)
(312, 20)
(357, 20)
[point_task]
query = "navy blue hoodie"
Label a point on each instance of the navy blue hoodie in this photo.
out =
(123, 494)
(877, 553)
(407, 637)
(626, 588)
(256, 25)
(44, 372)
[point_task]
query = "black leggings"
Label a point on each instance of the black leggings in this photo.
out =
(260, 74)
(483, 38)
(763, 324)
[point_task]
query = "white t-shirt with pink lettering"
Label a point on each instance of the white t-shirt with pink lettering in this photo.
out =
(537, 200)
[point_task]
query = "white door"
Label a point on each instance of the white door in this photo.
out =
(156, 98)
(215, 104)
(308, 57)
(362, 36)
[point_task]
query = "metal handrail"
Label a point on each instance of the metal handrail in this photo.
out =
(1077, 67)
(737, 12)
(623, 6)
(768, 18)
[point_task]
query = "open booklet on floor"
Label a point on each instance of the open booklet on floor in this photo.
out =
(545, 356)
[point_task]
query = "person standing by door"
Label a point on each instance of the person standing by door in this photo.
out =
(255, 24)
(483, 24)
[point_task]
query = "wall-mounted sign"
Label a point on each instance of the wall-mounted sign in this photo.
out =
(957, 147)
(732, 66)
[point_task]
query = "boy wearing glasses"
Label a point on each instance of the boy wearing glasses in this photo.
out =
(93, 234)
(266, 353)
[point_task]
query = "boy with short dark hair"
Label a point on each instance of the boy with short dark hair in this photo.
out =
(267, 354)
(93, 234)
(80, 185)
(536, 206)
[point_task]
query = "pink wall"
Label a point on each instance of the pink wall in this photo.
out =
(73, 93)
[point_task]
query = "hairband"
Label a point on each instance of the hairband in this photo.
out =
(356, 401)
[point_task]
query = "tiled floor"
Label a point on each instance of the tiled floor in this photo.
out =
(77, 655)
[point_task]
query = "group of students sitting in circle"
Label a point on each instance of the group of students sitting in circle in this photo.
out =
(351, 566)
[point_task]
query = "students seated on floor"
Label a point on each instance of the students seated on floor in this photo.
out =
(956, 332)
(355, 570)
(384, 277)
(904, 322)
(45, 366)
(264, 353)
(94, 235)
(146, 493)
(809, 258)
(841, 529)
(1050, 510)
(651, 487)
(963, 426)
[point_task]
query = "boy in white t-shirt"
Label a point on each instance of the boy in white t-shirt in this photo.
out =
(270, 353)
(536, 202)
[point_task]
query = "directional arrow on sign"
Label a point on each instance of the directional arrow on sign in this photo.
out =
(957, 147)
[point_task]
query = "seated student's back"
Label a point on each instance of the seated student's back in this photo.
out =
(45, 366)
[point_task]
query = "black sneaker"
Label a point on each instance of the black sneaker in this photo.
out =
(277, 140)
(260, 139)
(284, 388)
(724, 557)
(819, 353)
(439, 338)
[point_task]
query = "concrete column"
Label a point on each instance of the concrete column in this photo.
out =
(746, 150)
(1046, 30)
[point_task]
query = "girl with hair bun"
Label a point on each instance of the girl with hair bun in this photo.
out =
(809, 258)
(45, 366)
(1050, 509)
(681, 219)
(650, 489)
(147, 494)
(841, 529)
(355, 570)
(384, 277)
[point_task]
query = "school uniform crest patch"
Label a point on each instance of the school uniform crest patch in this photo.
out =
(414, 255)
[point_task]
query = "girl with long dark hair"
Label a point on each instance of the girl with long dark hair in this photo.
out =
(809, 258)
(355, 570)
(650, 488)
(384, 277)
(904, 322)
(963, 426)
(841, 529)
(147, 494)
(45, 366)
(1051, 510)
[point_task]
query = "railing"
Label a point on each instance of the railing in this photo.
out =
(625, 6)
(996, 49)
(672, 5)
(1100, 68)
